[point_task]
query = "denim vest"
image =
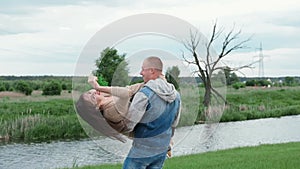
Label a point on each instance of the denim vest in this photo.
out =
(153, 133)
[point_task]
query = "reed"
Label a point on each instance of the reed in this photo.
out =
(262, 103)
(41, 128)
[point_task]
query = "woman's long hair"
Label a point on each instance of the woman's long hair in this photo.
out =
(92, 115)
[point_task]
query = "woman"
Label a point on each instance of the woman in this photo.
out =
(112, 102)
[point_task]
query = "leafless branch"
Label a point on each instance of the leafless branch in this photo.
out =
(186, 60)
(217, 93)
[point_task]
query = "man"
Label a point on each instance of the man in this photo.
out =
(152, 116)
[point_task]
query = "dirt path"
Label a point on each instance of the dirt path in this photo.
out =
(11, 94)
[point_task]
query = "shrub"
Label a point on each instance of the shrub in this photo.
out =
(64, 86)
(52, 88)
(238, 85)
(2, 87)
(23, 87)
(259, 82)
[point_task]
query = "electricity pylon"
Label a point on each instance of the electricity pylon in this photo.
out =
(261, 63)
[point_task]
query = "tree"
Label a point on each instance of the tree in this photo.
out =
(207, 66)
(230, 76)
(172, 76)
(2, 87)
(290, 81)
(112, 67)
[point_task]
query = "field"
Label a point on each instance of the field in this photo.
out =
(255, 103)
(38, 118)
(277, 156)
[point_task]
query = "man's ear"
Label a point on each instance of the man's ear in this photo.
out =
(152, 70)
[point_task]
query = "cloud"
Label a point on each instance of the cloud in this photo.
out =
(276, 62)
(287, 18)
(16, 7)
(18, 68)
(55, 31)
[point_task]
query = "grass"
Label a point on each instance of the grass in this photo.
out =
(190, 103)
(262, 103)
(276, 156)
(39, 119)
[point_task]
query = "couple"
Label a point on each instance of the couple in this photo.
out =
(150, 118)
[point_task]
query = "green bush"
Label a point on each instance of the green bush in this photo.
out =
(238, 85)
(23, 87)
(52, 88)
(2, 87)
(64, 86)
(260, 82)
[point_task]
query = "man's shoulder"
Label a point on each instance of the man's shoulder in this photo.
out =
(146, 90)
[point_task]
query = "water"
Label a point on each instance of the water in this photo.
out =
(53, 155)
(239, 134)
(188, 140)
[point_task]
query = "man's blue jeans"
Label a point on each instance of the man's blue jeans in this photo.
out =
(154, 162)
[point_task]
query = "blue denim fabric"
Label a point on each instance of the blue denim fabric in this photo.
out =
(154, 162)
(153, 133)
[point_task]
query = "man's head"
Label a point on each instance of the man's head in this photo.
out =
(151, 68)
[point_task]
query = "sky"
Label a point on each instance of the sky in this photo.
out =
(48, 37)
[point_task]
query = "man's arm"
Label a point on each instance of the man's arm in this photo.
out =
(176, 121)
(136, 111)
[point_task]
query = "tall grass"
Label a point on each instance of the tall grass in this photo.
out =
(39, 121)
(262, 103)
(37, 128)
(190, 103)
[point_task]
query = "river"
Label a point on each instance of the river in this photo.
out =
(188, 140)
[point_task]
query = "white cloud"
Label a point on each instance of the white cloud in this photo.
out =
(33, 68)
(49, 32)
(276, 62)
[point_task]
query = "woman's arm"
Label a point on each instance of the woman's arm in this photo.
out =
(122, 92)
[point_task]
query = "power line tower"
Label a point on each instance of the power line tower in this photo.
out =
(261, 73)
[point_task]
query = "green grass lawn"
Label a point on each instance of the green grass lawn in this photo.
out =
(276, 156)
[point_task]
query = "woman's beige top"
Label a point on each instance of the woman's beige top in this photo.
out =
(115, 106)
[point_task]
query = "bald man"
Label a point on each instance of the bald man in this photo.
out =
(154, 111)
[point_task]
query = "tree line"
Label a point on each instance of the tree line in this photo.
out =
(112, 70)
(50, 85)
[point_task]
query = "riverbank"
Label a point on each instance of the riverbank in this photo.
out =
(275, 156)
(257, 103)
(38, 118)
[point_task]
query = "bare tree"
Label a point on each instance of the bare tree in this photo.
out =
(208, 65)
